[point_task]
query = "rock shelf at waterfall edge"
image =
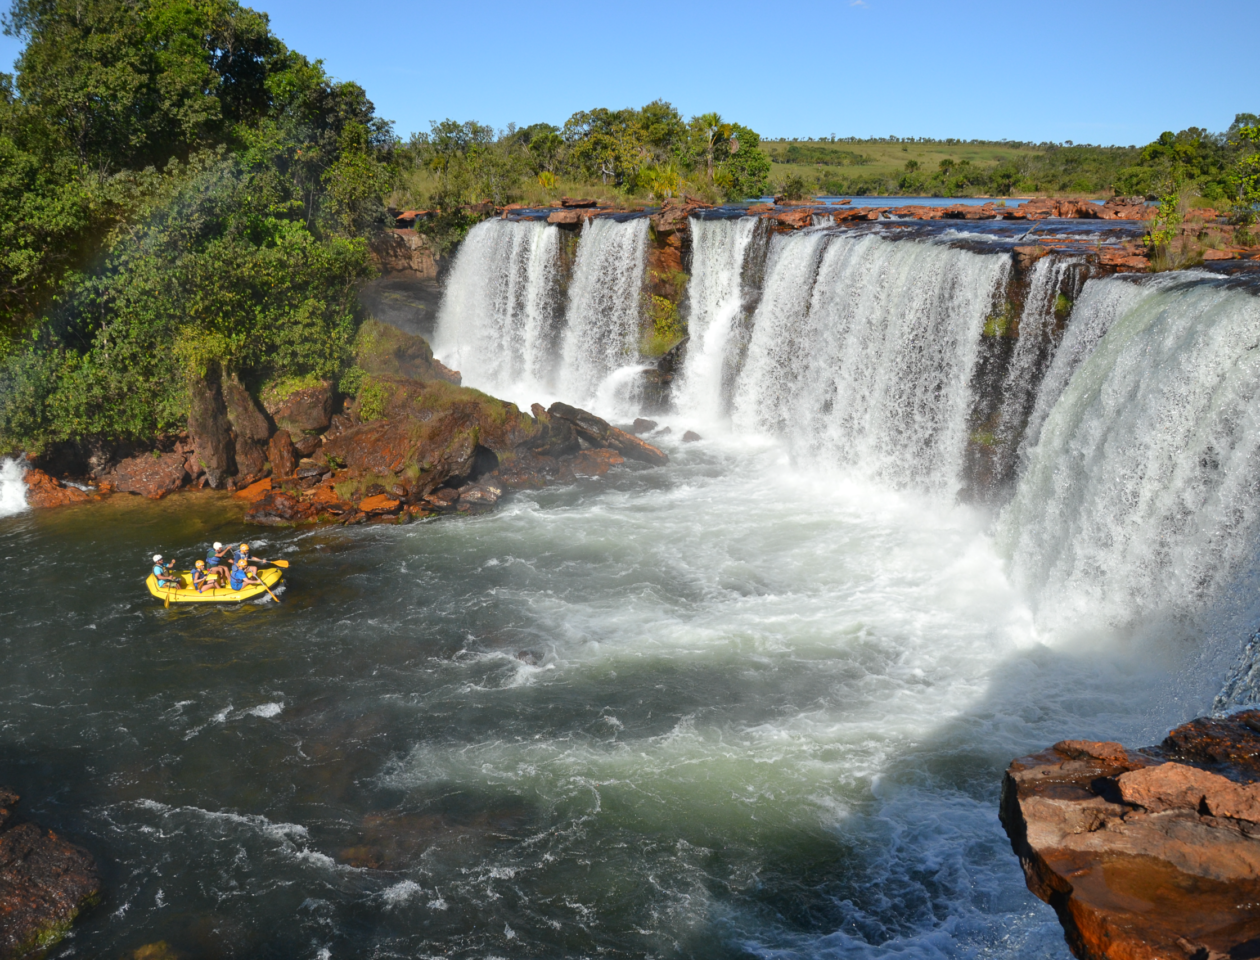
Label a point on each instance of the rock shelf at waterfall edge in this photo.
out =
(428, 447)
(1146, 853)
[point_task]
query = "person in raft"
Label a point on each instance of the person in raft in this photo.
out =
(243, 573)
(201, 578)
(217, 563)
(162, 571)
(242, 553)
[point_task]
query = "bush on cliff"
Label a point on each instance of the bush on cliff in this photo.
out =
(207, 206)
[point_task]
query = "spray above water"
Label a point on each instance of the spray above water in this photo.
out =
(12, 488)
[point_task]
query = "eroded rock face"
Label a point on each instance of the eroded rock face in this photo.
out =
(600, 433)
(1144, 854)
(210, 430)
(44, 883)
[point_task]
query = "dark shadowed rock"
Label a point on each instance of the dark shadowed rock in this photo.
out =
(642, 426)
(44, 883)
(209, 429)
(243, 413)
(251, 461)
(281, 454)
(149, 475)
(1152, 853)
(594, 463)
(599, 433)
(691, 437)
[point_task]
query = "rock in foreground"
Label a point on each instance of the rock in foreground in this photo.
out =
(1144, 854)
(44, 883)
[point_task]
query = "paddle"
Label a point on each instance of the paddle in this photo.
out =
(265, 587)
(282, 564)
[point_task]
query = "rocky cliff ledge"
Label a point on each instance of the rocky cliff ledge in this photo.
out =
(44, 883)
(1146, 854)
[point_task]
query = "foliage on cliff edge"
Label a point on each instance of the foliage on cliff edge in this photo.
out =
(177, 190)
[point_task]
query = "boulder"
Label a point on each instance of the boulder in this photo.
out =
(151, 475)
(278, 508)
(1148, 853)
(44, 883)
(380, 503)
(641, 426)
(486, 493)
(382, 350)
(594, 463)
(209, 429)
(599, 433)
(251, 460)
(691, 437)
(305, 410)
(281, 454)
(43, 491)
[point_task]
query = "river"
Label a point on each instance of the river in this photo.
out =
(753, 704)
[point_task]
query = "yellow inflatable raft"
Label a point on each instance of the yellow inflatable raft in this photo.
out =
(186, 594)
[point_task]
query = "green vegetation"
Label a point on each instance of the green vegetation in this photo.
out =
(615, 156)
(178, 191)
(1206, 163)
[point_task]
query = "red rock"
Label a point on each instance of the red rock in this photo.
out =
(1219, 255)
(1148, 854)
(486, 493)
(150, 476)
(281, 454)
(308, 409)
(43, 491)
(572, 202)
(44, 883)
(380, 503)
(278, 508)
(255, 491)
(569, 217)
(594, 463)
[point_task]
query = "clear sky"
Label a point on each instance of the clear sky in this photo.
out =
(1090, 71)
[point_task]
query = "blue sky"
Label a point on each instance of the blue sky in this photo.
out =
(1103, 71)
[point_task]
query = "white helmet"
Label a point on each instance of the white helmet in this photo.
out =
(217, 545)
(157, 558)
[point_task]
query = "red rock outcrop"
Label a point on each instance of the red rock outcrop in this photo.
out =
(307, 409)
(44, 883)
(43, 491)
(1146, 854)
(279, 508)
(151, 475)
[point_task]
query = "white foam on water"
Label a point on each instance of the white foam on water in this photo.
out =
(12, 488)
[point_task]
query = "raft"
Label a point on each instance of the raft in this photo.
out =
(186, 594)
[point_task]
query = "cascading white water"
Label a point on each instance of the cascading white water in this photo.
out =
(1100, 304)
(1141, 497)
(12, 488)
(862, 351)
(715, 298)
(1036, 332)
(602, 320)
(498, 318)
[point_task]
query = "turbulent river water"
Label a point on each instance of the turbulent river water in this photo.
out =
(755, 703)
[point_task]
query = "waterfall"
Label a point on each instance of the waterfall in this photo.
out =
(498, 317)
(602, 321)
(1021, 371)
(715, 298)
(1141, 495)
(12, 488)
(1101, 302)
(862, 351)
